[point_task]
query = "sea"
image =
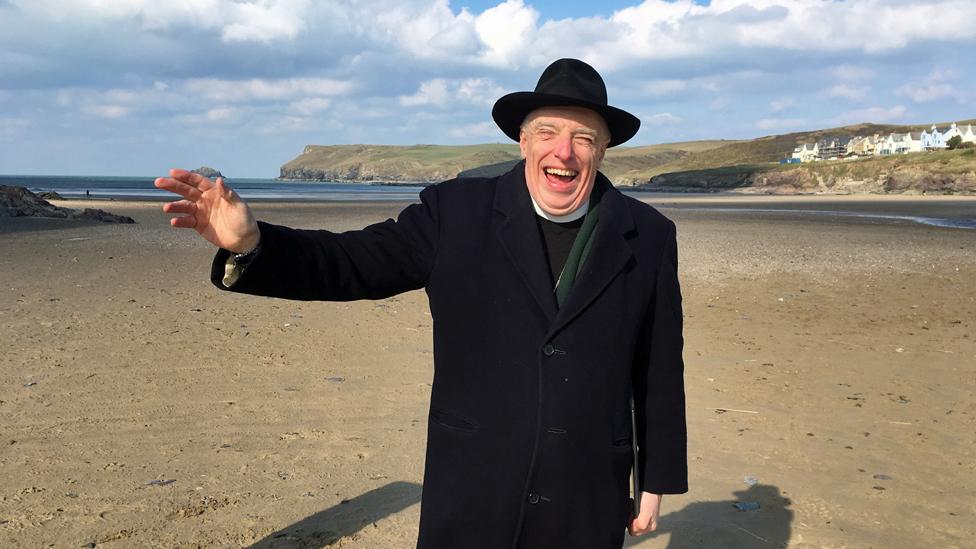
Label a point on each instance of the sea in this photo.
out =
(947, 213)
(141, 188)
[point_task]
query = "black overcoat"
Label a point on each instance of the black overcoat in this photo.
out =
(529, 427)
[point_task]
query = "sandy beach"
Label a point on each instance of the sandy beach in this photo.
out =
(830, 378)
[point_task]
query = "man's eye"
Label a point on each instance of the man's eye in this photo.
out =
(545, 133)
(584, 140)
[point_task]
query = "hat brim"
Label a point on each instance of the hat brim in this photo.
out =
(510, 111)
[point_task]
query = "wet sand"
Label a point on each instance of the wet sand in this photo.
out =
(831, 361)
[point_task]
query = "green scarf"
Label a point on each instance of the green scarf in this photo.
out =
(579, 251)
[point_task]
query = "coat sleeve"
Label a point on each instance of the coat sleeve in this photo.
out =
(372, 263)
(659, 386)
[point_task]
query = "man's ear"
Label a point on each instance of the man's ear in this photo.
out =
(522, 142)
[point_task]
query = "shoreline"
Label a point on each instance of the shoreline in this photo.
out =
(952, 212)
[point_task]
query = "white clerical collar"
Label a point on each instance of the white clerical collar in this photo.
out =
(571, 216)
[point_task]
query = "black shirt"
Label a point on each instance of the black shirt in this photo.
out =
(558, 239)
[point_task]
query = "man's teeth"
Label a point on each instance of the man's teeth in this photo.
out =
(564, 173)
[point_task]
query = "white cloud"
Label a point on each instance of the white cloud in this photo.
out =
(480, 130)
(310, 105)
(221, 114)
(265, 21)
(662, 119)
(107, 111)
(782, 104)
(940, 84)
(421, 70)
(238, 20)
(431, 92)
(443, 93)
(853, 93)
(926, 93)
(939, 75)
(507, 31)
(664, 87)
(850, 73)
(264, 89)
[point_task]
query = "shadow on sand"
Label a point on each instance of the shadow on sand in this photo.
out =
(718, 524)
(326, 527)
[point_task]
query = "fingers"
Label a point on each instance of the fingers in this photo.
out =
(188, 221)
(180, 207)
(178, 187)
(640, 526)
(184, 222)
(192, 179)
(647, 520)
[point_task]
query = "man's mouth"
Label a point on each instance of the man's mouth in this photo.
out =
(560, 175)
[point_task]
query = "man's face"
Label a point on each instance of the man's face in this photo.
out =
(563, 148)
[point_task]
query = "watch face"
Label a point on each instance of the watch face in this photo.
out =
(246, 257)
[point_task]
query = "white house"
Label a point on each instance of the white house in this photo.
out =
(806, 153)
(932, 140)
(886, 146)
(913, 142)
(950, 133)
(968, 134)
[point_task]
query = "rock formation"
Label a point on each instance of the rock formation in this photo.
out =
(207, 171)
(20, 202)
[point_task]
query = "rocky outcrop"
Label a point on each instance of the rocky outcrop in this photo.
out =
(418, 164)
(20, 202)
(49, 195)
(207, 171)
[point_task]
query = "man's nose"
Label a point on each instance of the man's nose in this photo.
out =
(564, 147)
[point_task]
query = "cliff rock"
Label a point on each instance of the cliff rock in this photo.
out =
(20, 202)
(209, 172)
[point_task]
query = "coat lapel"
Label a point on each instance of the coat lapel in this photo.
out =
(608, 256)
(518, 232)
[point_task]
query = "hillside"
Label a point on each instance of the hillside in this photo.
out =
(432, 163)
(775, 147)
(688, 166)
(387, 163)
(942, 172)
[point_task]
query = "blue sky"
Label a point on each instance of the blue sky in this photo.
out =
(132, 87)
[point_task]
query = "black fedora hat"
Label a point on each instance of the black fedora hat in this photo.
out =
(565, 83)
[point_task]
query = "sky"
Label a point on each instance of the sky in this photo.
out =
(134, 87)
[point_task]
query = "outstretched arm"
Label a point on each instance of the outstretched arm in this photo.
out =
(212, 209)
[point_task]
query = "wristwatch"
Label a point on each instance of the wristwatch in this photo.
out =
(242, 259)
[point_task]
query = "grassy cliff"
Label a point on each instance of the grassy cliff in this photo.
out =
(431, 163)
(941, 172)
(691, 166)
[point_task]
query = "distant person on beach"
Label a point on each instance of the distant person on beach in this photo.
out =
(555, 303)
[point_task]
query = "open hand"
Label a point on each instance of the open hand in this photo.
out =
(212, 209)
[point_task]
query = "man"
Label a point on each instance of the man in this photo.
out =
(555, 300)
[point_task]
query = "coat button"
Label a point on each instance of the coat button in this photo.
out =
(548, 350)
(533, 498)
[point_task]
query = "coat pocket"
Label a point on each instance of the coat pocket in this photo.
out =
(452, 422)
(621, 445)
